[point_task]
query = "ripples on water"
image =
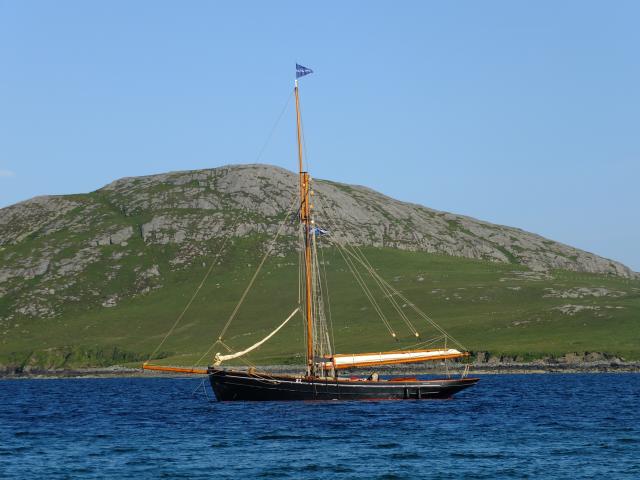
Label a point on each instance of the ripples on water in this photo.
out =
(510, 426)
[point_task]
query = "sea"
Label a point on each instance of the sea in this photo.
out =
(508, 426)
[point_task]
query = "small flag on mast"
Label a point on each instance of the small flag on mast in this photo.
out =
(302, 71)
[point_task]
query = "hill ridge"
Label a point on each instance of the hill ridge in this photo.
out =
(433, 230)
(97, 278)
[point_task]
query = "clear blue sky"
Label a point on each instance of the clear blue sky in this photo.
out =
(520, 113)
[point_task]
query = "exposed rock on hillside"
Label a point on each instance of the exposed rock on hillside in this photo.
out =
(359, 214)
(53, 243)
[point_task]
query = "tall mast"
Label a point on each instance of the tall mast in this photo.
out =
(305, 218)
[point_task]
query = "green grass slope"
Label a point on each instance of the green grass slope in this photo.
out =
(495, 307)
(97, 279)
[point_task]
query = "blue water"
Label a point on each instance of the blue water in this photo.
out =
(511, 426)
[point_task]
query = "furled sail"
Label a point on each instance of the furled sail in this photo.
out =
(218, 359)
(389, 358)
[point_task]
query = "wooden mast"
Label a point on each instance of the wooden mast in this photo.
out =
(305, 218)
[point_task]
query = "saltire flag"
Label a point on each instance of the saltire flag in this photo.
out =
(302, 71)
(317, 231)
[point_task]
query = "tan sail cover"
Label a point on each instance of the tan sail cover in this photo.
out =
(389, 358)
(219, 358)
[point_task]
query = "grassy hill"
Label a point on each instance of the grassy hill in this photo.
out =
(99, 278)
(487, 306)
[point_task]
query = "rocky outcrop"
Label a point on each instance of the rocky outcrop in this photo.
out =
(115, 238)
(583, 292)
(199, 205)
(353, 213)
(26, 218)
(81, 246)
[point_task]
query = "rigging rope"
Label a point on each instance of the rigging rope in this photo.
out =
(197, 291)
(382, 285)
(362, 260)
(416, 309)
(386, 290)
(218, 359)
(362, 284)
(274, 127)
(248, 363)
(251, 282)
(213, 263)
(367, 292)
(255, 275)
(326, 283)
(324, 345)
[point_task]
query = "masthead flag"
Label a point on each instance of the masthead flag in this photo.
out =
(302, 71)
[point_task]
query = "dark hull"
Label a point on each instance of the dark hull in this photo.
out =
(232, 385)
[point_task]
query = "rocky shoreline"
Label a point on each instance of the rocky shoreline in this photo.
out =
(571, 363)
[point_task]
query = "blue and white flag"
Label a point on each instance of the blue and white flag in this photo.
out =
(317, 231)
(302, 71)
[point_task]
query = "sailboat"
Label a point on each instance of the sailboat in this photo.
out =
(322, 379)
